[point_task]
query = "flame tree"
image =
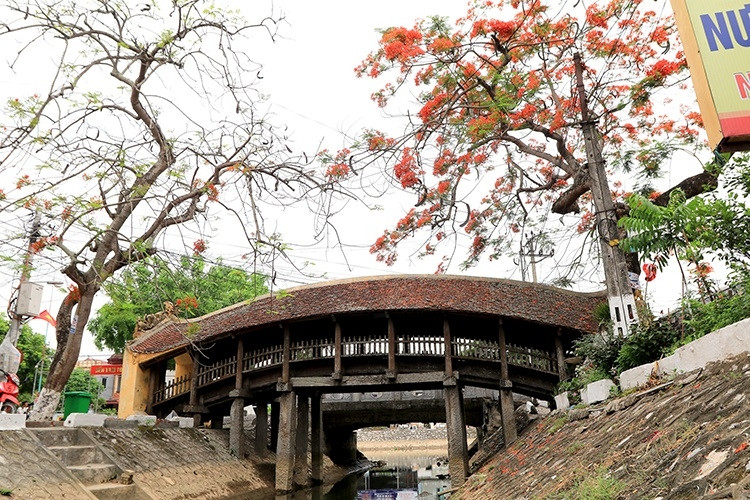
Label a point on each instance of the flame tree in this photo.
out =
(140, 121)
(494, 146)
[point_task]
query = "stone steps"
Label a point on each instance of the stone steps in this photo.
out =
(117, 491)
(77, 454)
(94, 473)
(60, 437)
(88, 463)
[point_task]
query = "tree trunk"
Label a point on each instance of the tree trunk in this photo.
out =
(66, 355)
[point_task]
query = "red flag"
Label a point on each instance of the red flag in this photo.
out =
(46, 316)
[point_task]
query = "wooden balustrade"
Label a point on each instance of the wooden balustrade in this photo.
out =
(532, 358)
(225, 368)
(311, 349)
(419, 345)
(476, 349)
(265, 357)
(364, 345)
(176, 387)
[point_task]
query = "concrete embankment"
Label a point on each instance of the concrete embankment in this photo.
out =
(164, 463)
(683, 439)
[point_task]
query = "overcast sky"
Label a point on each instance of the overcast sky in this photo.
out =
(308, 74)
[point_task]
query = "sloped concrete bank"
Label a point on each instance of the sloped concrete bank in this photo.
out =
(168, 463)
(685, 438)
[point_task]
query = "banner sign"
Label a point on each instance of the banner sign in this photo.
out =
(716, 37)
(106, 370)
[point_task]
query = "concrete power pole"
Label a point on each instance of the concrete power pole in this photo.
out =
(620, 295)
(531, 251)
(9, 355)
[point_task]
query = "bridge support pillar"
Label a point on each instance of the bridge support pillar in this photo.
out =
(507, 413)
(302, 432)
(261, 429)
(275, 408)
(285, 447)
(458, 453)
(341, 445)
(237, 428)
(217, 420)
(316, 439)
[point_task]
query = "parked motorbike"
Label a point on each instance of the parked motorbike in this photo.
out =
(8, 392)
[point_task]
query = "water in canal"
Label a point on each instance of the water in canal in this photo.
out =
(401, 478)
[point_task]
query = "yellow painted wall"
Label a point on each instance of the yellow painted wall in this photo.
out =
(135, 384)
(183, 366)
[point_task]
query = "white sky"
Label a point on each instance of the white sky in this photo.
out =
(309, 76)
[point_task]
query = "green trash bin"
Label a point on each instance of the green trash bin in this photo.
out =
(76, 402)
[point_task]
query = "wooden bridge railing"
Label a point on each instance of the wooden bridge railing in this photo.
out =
(265, 357)
(532, 358)
(359, 346)
(214, 372)
(176, 387)
(311, 349)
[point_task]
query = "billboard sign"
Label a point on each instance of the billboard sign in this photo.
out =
(716, 37)
(106, 370)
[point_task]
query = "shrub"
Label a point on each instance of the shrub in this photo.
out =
(729, 307)
(600, 349)
(648, 343)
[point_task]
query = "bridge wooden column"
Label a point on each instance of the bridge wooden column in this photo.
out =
(301, 464)
(560, 352)
(337, 343)
(261, 429)
(458, 453)
(237, 412)
(316, 438)
(275, 410)
(285, 445)
(286, 441)
(392, 370)
(507, 408)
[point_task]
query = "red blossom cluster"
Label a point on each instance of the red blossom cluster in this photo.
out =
(212, 191)
(401, 44)
(497, 89)
(702, 269)
(42, 243)
(74, 294)
(186, 303)
(23, 181)
(338, 166)
(199, 246)
(406, 170)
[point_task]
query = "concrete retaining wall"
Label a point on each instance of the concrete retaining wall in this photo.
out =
(721, 344)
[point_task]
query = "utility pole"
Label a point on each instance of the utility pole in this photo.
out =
(9, 355)
(620, 295)
(531, 251)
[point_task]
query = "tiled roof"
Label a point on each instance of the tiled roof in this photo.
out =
(514, 299)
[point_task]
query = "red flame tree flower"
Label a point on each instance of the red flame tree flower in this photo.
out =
(498, 110)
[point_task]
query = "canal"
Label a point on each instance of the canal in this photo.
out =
(401, 477)
(413, 467)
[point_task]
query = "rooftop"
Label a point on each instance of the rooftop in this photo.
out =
(485, 296)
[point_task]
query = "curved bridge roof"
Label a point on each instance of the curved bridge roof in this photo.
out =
(471, 295)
